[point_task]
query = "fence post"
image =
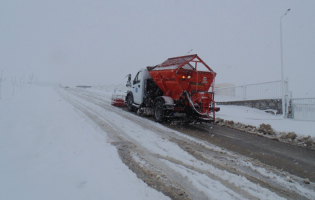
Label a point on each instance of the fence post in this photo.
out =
(244, 91)
(287, 97)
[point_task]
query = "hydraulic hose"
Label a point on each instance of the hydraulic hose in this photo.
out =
(192, 105)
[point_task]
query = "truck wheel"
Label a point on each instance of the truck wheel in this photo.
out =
(129, 103)
(159, 111)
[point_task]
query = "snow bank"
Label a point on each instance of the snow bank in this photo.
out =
(256, 121)
(48, 151)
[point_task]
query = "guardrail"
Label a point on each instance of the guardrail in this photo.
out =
(303, 108)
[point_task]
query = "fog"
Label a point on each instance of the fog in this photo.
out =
(99, 42)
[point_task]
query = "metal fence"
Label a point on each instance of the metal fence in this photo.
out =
(267, 90)
(303, 108)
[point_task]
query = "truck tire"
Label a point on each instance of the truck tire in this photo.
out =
(129, 103)
(158, 110)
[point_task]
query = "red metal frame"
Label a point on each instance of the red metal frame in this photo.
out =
(183, 60)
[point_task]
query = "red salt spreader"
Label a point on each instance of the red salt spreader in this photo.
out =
(180, 88)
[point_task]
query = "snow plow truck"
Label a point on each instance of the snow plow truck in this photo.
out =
(179, 89)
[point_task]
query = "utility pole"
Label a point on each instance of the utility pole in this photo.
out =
(282, 78)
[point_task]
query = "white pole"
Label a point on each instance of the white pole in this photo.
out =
(282, 79)
(1, 80)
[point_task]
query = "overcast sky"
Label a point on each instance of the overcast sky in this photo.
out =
(99, 42)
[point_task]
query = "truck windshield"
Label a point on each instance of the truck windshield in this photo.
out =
(137, 78)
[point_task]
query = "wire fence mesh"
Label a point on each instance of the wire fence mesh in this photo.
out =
(267, 90)
(303, 108)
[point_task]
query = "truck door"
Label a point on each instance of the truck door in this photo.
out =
(137, 88)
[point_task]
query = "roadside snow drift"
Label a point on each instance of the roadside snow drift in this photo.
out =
(48, 151)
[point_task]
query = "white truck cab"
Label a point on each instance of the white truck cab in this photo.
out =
(138, 85)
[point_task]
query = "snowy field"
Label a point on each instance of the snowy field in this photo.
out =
(51, 150)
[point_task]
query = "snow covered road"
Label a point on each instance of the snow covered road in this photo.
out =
(181, 166)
